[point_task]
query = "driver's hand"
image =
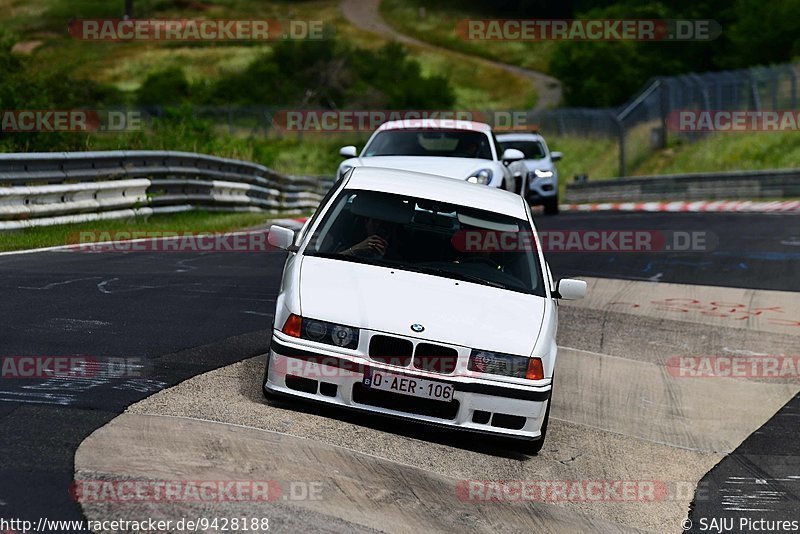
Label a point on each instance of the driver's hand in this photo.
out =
(373, 243)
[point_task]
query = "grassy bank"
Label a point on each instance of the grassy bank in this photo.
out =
(726, 152)
(599, 158)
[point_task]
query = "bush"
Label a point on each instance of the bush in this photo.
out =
(25, 88)
(331, 74)
(168, 87)
(609, 73)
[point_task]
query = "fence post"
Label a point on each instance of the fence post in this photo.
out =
(621, 137)
(793, 83)
(663, 104)
(754, 91)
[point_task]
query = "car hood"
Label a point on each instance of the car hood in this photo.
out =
(460, 168)
(391, 300)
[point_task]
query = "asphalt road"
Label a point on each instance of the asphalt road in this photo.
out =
(175, 314)
(181, 314)
(759, 481)
(758, 251)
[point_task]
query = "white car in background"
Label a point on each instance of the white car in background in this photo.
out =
(464, 150)
(419, 297)
(541, 176)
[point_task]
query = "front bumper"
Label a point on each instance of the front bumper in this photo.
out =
(487, 406)
(541, 189)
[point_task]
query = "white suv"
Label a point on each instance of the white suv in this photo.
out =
(541, 176)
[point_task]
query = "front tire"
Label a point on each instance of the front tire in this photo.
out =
(551, 206)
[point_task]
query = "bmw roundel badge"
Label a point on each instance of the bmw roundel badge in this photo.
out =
(416, 327)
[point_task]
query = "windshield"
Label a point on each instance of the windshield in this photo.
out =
(531, 149)
(430, 237)
(439, 143)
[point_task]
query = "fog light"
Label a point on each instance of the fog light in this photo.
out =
(343, 336)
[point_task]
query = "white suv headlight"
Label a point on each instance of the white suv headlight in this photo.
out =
(483, 177)
(543, 174)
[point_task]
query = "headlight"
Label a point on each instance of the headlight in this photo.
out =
(483, 177)
(495, 363)
(343, 170)
(543, 174)
(321, 331)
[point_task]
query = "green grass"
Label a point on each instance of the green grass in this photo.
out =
(438, 27)
(596, 158)
(477, 86)
(311, 155)
(599, 158)
(197, 221)
(726, 152)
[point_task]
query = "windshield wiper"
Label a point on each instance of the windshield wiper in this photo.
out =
(424, 269)
(355, 259)
(453, 274)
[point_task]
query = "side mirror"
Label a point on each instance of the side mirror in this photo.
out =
(570, 289)
(280, 237)
(512, 154)
(556, 156)
(348, 151)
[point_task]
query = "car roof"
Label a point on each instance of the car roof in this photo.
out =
(433, 187)
(520, 137)
(445, 124)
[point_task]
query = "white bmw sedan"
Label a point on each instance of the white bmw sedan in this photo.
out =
(420, 297)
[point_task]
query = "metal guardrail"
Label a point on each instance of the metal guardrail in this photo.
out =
(41, 189)
(745, 185)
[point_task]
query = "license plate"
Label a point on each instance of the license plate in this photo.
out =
(407, 385)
